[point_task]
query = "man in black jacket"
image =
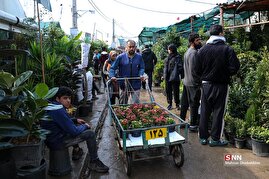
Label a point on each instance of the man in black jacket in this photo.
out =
(150, 61)
(215, 64)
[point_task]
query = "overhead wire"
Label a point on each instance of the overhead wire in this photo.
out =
(99, 11)
(150, 10)
(105, 17)
(200, 2)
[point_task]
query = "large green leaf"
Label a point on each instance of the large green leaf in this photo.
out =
(41, 102)
(51, 93)
(41, 90)
(13, 132)
(6, 80)
(12, 128)
(22, 78)
(5, 145)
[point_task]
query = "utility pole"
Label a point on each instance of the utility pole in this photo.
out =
(113, 44)
(74, 28)
(113, 31)
(93, 33)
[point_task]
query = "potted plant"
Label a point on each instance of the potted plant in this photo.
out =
(170, 121)
(23, 114)
(260, 140)
(136, 125)
(229, 128)
(240, 133)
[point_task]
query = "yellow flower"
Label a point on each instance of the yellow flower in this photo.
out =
(71, 110)
(156, 107)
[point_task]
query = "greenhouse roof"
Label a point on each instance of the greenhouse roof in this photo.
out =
(149, 34)
(236, 11)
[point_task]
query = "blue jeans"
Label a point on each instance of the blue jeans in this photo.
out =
(89, 137)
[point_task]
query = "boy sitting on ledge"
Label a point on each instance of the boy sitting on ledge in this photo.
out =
(66, 131)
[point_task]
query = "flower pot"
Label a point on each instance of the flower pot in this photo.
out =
(136, 133)
(249, 143)
(31, 172)
(239, 143)
(171, 128)
(84, 110)
(260, 148)
(7, 165)
(59, 162)
(90, 103)
(231, 138)
(28, 154)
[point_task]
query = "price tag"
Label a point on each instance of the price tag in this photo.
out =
(156, 133)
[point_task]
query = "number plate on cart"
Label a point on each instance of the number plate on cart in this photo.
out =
(156, 133)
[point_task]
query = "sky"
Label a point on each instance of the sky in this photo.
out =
(130, 16)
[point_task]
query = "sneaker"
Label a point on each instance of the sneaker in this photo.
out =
(203, 141)
(193, 128)
(169, 107)
(178, 107)
(77, 153)
(95, 98)
(213, 143)
(98, 166)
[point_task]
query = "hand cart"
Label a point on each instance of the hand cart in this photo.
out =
(154, 141)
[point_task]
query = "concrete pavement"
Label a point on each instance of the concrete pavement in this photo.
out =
(200, 161)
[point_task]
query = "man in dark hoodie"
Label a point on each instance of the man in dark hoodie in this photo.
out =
(150, 61)
(216, 63)
(66, 131)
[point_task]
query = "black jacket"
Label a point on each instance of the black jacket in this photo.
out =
(149, 59)
(216, 63)
(169, 64)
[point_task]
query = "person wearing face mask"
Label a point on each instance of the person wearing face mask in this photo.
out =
(129, 64)
(192, 87)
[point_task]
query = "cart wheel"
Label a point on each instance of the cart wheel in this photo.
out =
(178, 155)
(128, 163)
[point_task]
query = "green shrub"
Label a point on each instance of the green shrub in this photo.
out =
(240, 128)
(259, 133)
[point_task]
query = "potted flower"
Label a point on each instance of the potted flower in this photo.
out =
(240, 133)
(136, 125)
(170, 121)
(124, 124)
(260, 140)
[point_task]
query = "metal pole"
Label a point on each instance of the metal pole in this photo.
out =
(93, 33)
(113, 32)
(74, 14)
